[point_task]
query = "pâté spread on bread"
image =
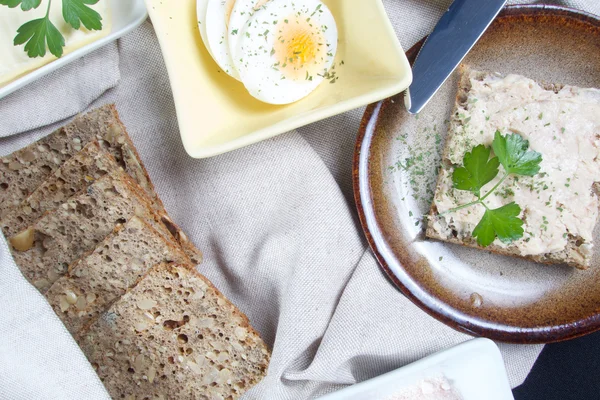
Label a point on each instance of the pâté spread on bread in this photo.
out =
(559, 204)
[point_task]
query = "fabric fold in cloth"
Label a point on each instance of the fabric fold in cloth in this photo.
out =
(38, 357)
(280, 235)
(60, 94)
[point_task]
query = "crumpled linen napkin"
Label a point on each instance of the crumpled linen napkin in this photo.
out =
(281, 239)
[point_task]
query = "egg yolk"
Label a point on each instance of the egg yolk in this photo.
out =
(299, 48)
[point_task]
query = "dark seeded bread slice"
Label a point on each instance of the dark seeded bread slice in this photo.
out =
(97, 280)
(74, 175)
(44, 250)
(571, 255)
(24, 170)
(174, 335)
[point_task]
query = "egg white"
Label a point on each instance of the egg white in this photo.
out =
(240, 14)
(286, 49)
(216, 23)
(201, 6)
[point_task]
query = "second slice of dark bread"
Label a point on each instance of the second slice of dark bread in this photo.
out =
(44, 250)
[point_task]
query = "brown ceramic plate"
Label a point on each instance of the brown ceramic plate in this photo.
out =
(395, 166)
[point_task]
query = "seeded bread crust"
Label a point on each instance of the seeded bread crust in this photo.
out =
(570, 255)
(24, 170)
(94, 282)
(175, 333)
(44, 251)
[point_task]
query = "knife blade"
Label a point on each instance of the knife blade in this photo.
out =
(453, 37)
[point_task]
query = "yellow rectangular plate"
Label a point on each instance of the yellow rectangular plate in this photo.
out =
(215, 112)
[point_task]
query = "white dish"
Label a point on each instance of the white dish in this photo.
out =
(474, 368)
(126, 16)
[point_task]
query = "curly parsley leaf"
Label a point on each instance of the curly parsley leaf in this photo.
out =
(26, 5)
(77, 12)
(503, 222)
(512, 151)
(478, 170)
(36, 33)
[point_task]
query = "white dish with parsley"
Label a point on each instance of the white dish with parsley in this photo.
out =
(39, 36)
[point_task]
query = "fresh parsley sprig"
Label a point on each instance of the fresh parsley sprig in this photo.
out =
(511, 151)
(36, 33)
(39, 34)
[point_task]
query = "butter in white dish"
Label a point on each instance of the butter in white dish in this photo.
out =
(559, 205)
(14, 61)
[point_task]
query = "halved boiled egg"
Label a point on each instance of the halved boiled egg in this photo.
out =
(216, 23)
(286, 49)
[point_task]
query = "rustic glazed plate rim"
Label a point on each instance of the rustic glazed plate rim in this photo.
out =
(428, 302)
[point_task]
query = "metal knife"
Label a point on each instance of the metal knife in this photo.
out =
(453, 37)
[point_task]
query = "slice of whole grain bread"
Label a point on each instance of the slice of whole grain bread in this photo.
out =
(174, 335)
(97, 280)
(22, 171)
(442, 227)
(44, 250)
(75, 175)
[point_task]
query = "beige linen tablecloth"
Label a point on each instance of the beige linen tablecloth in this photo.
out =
(276, 222)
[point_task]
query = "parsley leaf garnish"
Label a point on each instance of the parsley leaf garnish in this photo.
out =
(512, 152)
(41, 34)
(478, 170)
(36, 33)
(26, 5)
(503, 222)
(76, 12)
